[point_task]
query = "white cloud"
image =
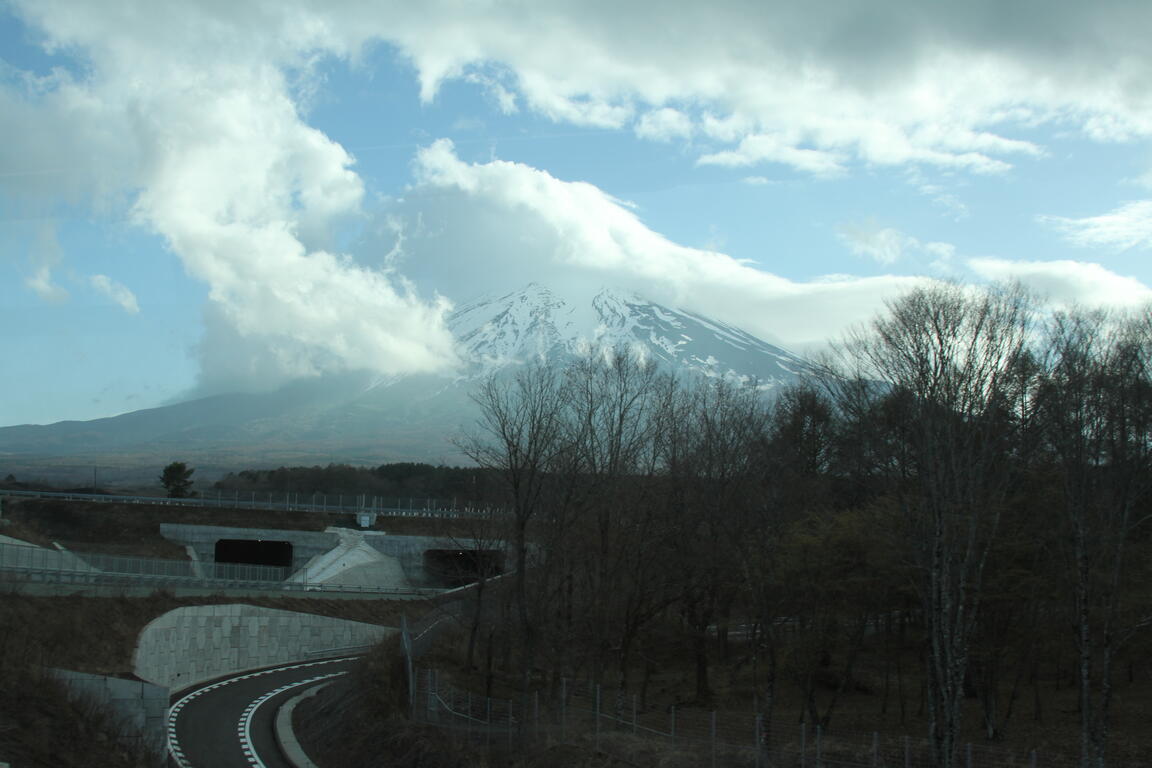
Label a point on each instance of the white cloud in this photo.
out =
(1066, 283)
(42, 284)
(763, 148)
(896, 82)
(512, 219)
(887, 246)
(188, 116)
(1129, 226)
(44, 255)
(118, 292)
(664, 124)
(505, 99)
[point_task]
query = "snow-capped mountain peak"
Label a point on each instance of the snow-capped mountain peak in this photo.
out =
(412, 417)
(536, 323)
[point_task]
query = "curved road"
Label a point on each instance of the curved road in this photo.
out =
(228, 723)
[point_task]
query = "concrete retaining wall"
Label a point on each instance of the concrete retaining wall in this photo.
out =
(141, 707)
(197, 643)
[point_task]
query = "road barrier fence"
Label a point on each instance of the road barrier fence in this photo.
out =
(332, 504)
(29, 563)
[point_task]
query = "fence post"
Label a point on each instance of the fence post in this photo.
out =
(597, 717)
(673, 713)
(757, 739)
(488, 722)
(536, 715)
(819, 740)
(712, 737)
(907, 754)
(563, 709)
(968, 755)
(468, 719)
(875, 749)
(1032, 759)
(633, 714)
(803, 744)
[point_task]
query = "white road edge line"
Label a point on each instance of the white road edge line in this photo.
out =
(174, 748)
(250, 712)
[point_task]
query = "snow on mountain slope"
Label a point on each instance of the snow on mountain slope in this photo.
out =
(362, 418)
(535, 322)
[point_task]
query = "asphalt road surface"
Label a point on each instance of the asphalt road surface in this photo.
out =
(229, 723)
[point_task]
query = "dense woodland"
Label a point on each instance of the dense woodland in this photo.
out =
(401, 479)
(963, 477)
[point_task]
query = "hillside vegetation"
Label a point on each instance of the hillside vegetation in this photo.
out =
(945, 532)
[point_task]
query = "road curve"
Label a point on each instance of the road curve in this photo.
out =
(228, 723)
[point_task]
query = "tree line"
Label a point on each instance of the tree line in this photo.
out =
(963, 477)
(401, 479)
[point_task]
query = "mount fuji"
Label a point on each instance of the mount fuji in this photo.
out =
(363, 418)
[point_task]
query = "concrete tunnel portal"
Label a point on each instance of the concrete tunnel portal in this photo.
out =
(457, 567)
(285, 554)
(254, 552)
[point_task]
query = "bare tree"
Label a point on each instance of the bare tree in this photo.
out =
(947, 358)
(711, 473)
(520, 437)
(1096, 398)
(616, 408)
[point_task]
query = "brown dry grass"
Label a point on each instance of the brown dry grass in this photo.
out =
(1045, 716)
(43, 726)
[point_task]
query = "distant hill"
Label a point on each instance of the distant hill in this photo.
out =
(365, 419)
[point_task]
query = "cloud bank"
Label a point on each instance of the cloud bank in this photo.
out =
(189, 120)
(483, 223)
(1127, 227)
(1067, 283)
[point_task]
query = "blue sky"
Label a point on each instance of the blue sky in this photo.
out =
(201, 197)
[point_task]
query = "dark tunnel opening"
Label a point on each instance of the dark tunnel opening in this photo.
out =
(457, 567)
(254, 552)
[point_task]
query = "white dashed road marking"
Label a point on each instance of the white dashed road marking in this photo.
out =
(244, 727)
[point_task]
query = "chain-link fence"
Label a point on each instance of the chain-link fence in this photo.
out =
(28, 563)
(333, 504)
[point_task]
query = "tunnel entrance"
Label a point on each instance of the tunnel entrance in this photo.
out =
(254, 552)
(457, 567)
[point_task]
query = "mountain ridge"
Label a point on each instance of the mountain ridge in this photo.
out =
(415, 417)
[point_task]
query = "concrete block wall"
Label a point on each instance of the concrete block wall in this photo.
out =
(141, 707)
(197, 643)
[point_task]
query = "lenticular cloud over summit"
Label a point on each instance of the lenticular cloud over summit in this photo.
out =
(573, 237)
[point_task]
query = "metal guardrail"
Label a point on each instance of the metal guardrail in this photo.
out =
(30, 563)
(389, 506)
